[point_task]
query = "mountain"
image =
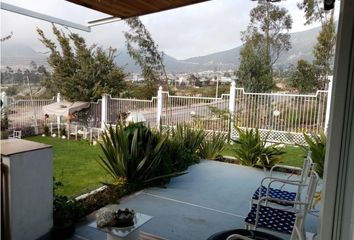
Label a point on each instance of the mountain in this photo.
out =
(19, 55)
(302, 45)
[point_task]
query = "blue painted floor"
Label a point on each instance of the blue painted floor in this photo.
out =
(212, 197)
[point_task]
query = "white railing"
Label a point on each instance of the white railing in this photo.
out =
(204, 112)
(282, 117)
(26, 113)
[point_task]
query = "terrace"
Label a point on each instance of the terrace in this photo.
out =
(211, 197)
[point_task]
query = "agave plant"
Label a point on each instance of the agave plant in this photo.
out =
(132, 153)
(317, 145)
(212, 149)
(190, 138)
(251, 150)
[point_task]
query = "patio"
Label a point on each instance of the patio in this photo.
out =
(212, 197)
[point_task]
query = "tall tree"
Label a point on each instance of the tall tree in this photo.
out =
(266, 37)
(142, 48)
(254, 72)
(326, 40)
(305, 77)
(273, 23)
(81, 73)
(324, 51)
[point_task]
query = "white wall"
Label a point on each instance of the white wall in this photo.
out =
(30, 193)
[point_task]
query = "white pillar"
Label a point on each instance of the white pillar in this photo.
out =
(328, 107)
(232, 106)
(159, 107)
(104, 110)
(58, 118)
(4, 99)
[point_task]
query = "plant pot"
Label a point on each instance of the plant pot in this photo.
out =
(62, 231)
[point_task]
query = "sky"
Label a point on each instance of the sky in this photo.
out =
(195, 30)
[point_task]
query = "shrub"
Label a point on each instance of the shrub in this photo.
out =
(46, 130)
(251, 150)
(183, 145)
(317, 146)
(133, 153)
(65, 210)
(188, 137)
(212, 149)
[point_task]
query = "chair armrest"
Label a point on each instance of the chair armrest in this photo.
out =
(284, 167)
(237, 236)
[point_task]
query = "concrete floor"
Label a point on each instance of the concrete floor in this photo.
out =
(212, 197)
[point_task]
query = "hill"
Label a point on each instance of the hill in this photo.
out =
(19, 55)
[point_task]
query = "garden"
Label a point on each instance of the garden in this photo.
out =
(77, 163)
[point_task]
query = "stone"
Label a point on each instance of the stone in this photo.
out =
(106, 216)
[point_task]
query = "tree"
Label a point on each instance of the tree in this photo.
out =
(254, 72)
(324, 51)
(305, 77)
(273, 23)
(142, 48)
(326, 40)
(81, 73)
(264, 40)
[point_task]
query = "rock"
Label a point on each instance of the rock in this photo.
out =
(106, 216)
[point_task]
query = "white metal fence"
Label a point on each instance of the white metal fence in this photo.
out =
(282, 117)
(27, 113)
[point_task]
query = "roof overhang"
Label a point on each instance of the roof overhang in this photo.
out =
(132, 8)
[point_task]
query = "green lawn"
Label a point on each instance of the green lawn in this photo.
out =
(75, 165)
(293, 155)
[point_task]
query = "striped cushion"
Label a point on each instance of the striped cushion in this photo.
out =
(271, 218)
(276, 193)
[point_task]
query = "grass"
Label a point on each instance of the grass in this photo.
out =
(75, 165)
(293, 155)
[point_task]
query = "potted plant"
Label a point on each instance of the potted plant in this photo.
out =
(66, 213)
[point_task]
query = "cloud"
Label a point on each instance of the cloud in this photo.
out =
(190, 31)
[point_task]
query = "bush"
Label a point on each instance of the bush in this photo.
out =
(66, 211)
(251, 150)
(46, 130)
(317, 146)
(188, 137)
(134, 154)
(183, 145)
(212, 149)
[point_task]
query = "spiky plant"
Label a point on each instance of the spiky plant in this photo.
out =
(190, 138)
(213, 147)
(132, 153)
(252, 150)
(317, 145)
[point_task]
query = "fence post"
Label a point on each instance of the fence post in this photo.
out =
(4, 99)
(159, 107)
(58, 118)
(328, 106)
(232, 107)
(104, 109)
